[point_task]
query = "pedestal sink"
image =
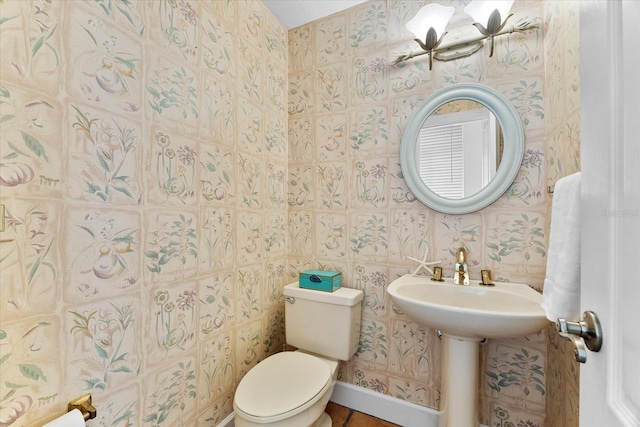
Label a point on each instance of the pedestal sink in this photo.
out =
(466, 315)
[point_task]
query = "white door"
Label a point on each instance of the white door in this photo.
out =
(610, 155)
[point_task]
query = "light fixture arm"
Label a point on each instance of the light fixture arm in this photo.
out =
(494, 26)
(440, 51)
(431, 42)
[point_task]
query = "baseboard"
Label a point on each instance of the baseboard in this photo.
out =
(385, 407)
(379, 405)
(228, 422)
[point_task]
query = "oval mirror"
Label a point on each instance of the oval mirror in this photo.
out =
(461, 148)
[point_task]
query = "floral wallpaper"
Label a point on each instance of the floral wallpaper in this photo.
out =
(562, 83)
(143, 166)
(347, 109)
(167, 166)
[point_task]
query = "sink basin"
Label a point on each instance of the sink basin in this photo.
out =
(506, 310)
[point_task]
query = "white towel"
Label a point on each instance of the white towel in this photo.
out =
(561, 292)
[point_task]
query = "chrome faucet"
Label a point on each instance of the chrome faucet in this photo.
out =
(461, 274)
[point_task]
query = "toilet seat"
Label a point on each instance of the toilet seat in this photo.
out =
(281, 386)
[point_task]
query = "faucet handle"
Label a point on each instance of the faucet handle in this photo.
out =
(486, 278)
(437, 274)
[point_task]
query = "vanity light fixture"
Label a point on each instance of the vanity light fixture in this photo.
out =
(488, 16)
(430, 22)
(491, 12)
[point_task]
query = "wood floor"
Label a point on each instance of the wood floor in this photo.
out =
(345, 417)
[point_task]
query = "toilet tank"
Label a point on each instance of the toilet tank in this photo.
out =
(324, 323)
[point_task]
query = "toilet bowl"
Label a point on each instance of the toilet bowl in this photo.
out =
(292, 388)
(289, 389)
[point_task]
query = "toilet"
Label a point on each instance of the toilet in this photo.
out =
(292, 388)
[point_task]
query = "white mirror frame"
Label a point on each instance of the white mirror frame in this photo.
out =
(511, 156)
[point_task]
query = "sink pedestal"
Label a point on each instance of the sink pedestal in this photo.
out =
(460, 377)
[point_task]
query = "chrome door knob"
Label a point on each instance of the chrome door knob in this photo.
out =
(587, 332)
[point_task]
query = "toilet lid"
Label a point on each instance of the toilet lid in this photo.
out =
(281, 383)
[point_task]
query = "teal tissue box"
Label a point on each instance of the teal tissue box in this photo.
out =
(320, 280)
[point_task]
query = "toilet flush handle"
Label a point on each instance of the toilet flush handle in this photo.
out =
(291, 300)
